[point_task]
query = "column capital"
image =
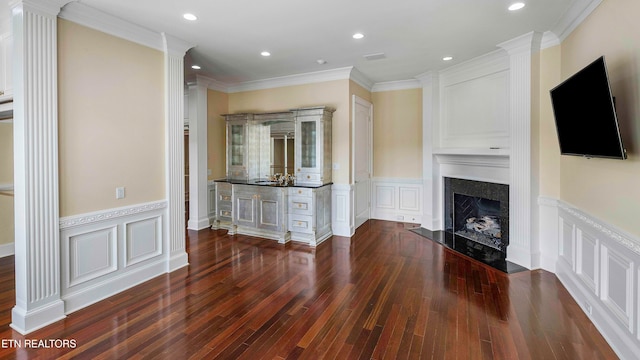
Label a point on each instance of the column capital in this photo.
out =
(43, 7)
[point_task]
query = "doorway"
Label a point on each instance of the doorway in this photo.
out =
(362, 151)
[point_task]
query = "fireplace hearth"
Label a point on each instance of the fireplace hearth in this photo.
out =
(476, 222)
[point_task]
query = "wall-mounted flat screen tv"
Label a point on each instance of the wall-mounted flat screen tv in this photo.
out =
(585, 114)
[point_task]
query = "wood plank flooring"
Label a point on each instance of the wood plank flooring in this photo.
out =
(385, 293)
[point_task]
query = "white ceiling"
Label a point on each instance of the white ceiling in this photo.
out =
(414, 35)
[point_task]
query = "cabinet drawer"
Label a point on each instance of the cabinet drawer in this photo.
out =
(224, 214)
(301, 205)
(300, 192)
(301, 224)
(226, 198)
(305, 177)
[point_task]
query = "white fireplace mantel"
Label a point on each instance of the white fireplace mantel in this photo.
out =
(510, 71)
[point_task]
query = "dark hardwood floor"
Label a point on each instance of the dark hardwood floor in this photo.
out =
(385, 293)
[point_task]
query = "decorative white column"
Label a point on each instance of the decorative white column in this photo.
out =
(198, 191)
(175, 241)
(432, 217)
(523, 245)
(35, 131)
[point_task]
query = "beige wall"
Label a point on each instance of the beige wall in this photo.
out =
(217, 104)
(334, 94)
(397, 134)
(111, 120)
(608, 189)
(6, 178)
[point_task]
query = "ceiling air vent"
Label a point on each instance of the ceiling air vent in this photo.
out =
(377, 56)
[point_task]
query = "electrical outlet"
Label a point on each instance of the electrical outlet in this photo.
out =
(588, 308)
(120, 193)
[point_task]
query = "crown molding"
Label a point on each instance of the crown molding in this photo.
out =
(360, 79)
(101, 21)
(529, 42)
(549, 39)
(397, 85)
(574, 16)
(208, 82)
(290, 80)
(175, 46)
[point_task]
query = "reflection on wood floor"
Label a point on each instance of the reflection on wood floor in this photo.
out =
(384, 293)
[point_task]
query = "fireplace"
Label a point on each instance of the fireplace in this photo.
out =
(477, 211)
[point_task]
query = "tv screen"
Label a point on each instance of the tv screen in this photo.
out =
(585, 114)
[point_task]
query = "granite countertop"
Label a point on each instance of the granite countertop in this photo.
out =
(267, 182)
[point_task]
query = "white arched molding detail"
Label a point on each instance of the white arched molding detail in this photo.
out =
(523, 82)
(35, 132)
(175, 241)
(198, 187)
(432, 217)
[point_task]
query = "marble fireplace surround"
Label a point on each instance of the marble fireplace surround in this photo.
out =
(478, 189)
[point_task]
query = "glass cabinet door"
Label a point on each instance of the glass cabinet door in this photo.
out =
(237, 145)
(308, 144)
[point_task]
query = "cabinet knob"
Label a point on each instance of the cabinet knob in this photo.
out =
(308, 176)
(299, 191)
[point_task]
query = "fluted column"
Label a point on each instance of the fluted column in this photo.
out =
(174, 51)
(35, 114)
(432, 218)
(198, 189)
(523, 246)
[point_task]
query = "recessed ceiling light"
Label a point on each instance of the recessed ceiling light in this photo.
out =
(358, 36)
(447, 58)
(190, 17)
(321, 61)
(516, 6)
(265, 53)
(195, 67)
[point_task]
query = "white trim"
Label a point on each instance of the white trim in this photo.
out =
(109, 214)
(388, 199)
(360, 79)
(342, 214)
(93, 18)
(7, 250)
(291, 80)
(574, 16)
(587, 274)
(396, 85)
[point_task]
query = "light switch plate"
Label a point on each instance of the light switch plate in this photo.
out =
(120, 193)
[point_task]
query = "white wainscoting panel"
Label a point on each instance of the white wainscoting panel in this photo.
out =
(397, 199)
(474, 103)
(91, 255)
(106, 252)
(342, 210)
(143, 239)
(599, 266)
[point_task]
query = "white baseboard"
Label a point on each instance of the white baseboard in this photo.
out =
(7, 250)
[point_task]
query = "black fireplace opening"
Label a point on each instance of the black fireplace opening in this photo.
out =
(478, 219)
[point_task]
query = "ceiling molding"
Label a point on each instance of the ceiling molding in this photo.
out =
(291, 80)
(98, 20)
(549, 39)
(574, 16)
(360, 79)
(397, 85)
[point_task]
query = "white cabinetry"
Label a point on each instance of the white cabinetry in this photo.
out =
(224, 215)
(248, 148)
(261, 211)
(313, 145)
(310, 214)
